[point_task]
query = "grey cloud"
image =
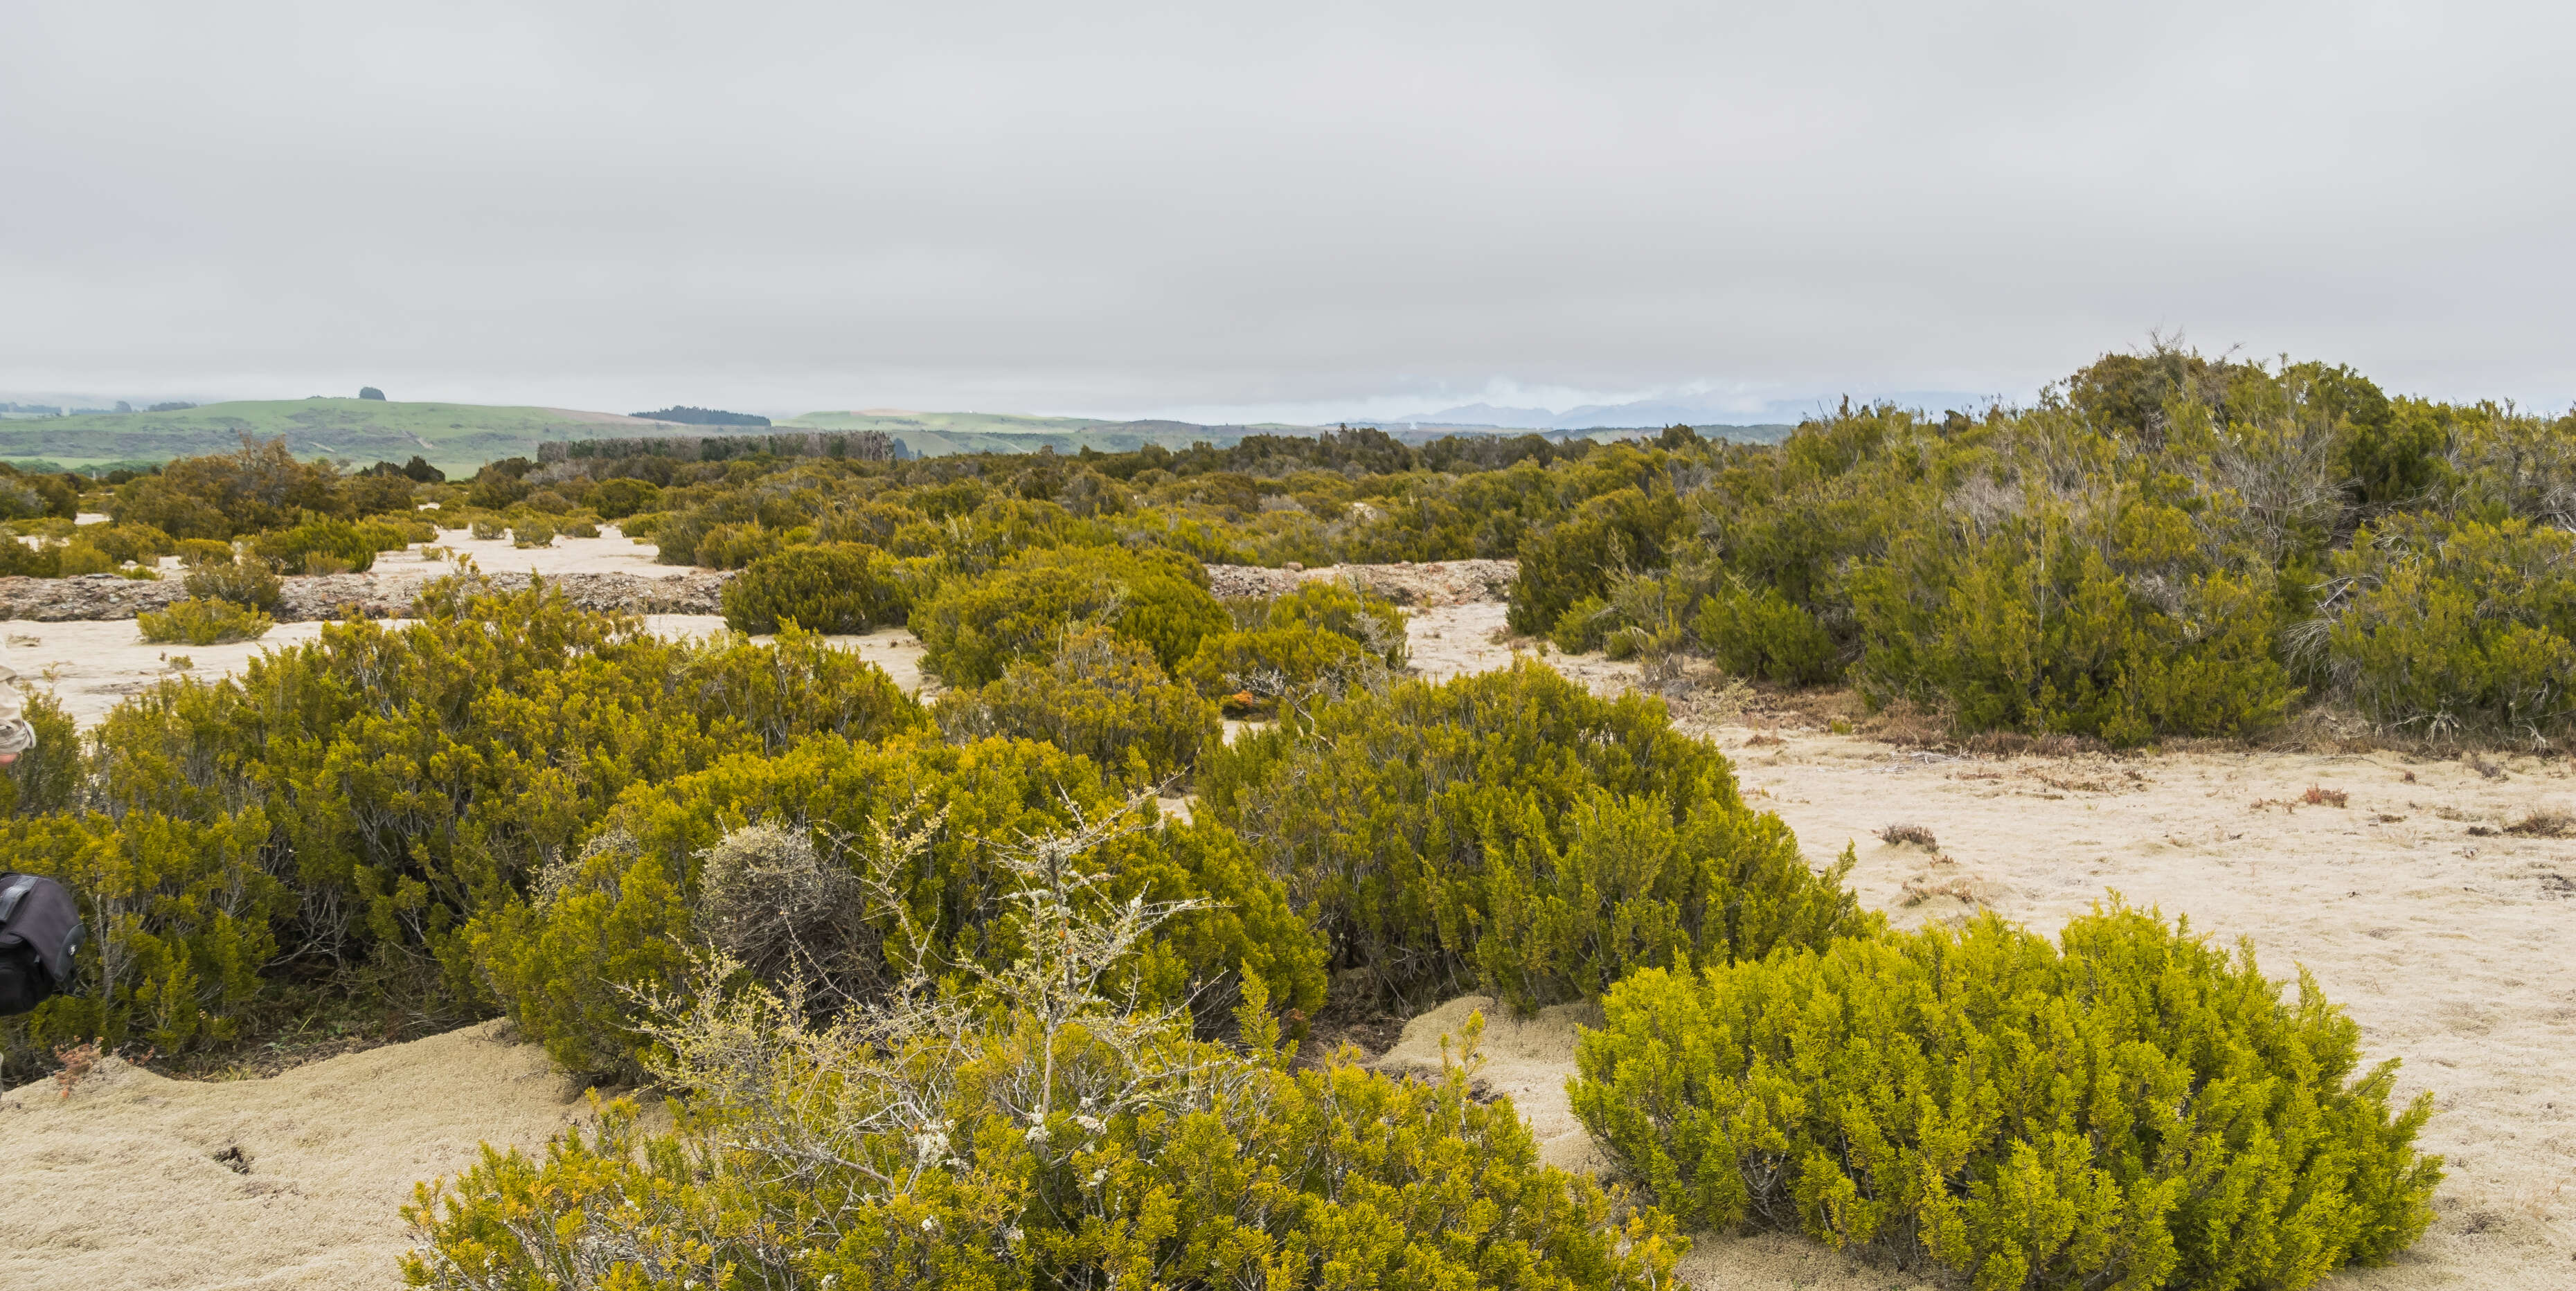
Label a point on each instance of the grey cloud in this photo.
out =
(1372, 209)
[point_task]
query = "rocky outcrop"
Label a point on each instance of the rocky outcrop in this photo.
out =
(308, 598)
(1441, 582)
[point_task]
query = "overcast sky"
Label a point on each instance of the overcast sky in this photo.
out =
(1298, 211)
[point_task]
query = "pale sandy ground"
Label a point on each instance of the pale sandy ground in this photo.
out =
(90, 666)
(2451, 951)
(119, 1184)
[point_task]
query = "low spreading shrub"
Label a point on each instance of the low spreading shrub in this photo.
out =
(1513, 830)
(1101, 696)
(1575, 559)
(1345, 610)
(1757, 632)
(733, 546)
(832, 587)
(1581, 627)
(1031, 1131)
(1265, 670)
(359, 798)
(203, 622)
(243, 580)
(973, 628)
(925, 830)
(2034, 629)
(2130, 1106)
(131, 542)
(319, 544)
(46, 778)
(78, 557)
(618, 499)
(2448, 630)
(17, 559)
(1293, 650)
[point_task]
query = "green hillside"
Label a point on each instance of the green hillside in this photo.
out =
(453, 436)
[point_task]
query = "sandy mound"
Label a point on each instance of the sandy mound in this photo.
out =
(121, 1184)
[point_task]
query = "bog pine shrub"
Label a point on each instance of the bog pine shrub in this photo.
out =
(1317, 640)
(1514, 831)
(2034, 629)
(1754, 631)
(202, 622)
(1101, 696)
(1347, 611)
(1259, 670)
(1575, 559)
(2128, 1107)
(973, 628)
(2459, 629)
(925, 828)
(1030, 1128)
(241, 578)
(839, 587)
(320, 544)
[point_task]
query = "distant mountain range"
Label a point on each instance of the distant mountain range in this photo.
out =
(1685, 410)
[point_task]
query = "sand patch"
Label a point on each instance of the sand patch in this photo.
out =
(296, 1181)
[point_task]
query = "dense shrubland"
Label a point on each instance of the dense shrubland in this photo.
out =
(949, 966)
(2163, 545)
(363, 799)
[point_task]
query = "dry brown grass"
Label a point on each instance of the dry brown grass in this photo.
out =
(1962, 888)
(1915, 835)
(2319, 796)
(2545, 822)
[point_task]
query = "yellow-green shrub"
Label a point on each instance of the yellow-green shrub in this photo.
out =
(397, 780)
(77, 557)
(1630, 529)
(2129, 1107)
(2451, 629)
(1757, 632)
(1018, 1157)
(131, 542)
(730, 546)
(566, 967)
(1259, 671)
(1344, 610)
(202, 622)
(17, 559)
(181, 916)
(831, 587)
(2035, 630)
(351, 545)
(973, 628)
(243, 580)
(1512, 830)
(1101, 696)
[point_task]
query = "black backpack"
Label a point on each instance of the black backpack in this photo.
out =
(40, 931)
